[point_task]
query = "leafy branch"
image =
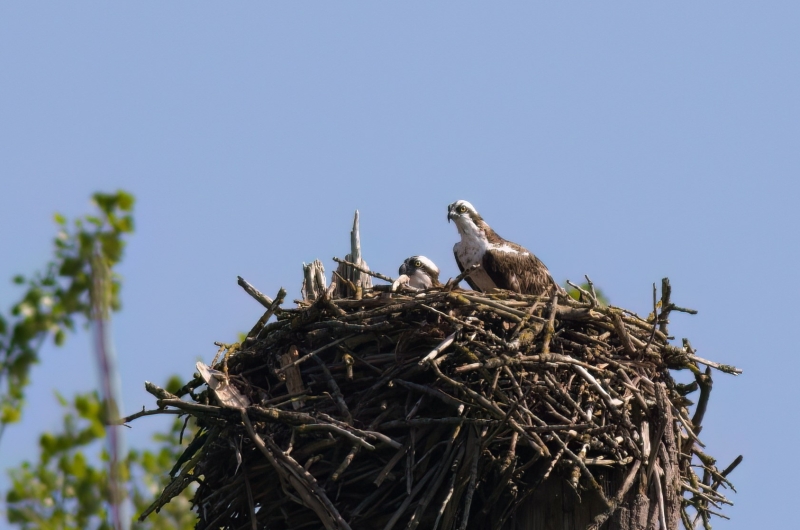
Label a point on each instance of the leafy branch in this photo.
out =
(68, 487)
(60, 296)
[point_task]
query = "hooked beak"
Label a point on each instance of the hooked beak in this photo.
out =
(403, 269)
(449, 214)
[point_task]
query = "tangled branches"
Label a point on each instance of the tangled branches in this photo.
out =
(449, 409)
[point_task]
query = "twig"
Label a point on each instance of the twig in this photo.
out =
(308, 356)
(705, 383)
(466, 272)
(728, 369)
(260, 297)
(304, 483)
(617, 500)
(438, 349)
(549, 328)
(364, 270)
(128, 419)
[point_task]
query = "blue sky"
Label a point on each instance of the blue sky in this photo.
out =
(628, 141)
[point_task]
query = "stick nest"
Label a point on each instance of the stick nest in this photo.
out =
(445, 409)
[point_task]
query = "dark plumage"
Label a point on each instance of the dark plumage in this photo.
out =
(504, 265)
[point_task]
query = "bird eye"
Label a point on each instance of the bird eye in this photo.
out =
(462, 209)
(418, 263)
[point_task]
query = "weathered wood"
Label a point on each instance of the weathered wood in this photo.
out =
(314, 283)
(352, 282)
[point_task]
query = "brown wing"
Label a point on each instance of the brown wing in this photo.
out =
(523, 273)
(461, 269)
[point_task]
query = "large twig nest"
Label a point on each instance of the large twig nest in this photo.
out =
(447, 409)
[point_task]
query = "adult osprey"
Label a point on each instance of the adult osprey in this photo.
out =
(422, 273)
(504, 265)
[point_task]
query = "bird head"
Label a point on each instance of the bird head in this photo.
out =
(422, 272)
(464, 215)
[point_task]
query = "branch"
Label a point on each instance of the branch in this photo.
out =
(364, 270)
(261, 298)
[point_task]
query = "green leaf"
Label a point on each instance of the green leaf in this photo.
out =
(70, 267)
(10, 414)
(57, 296)
(111, 245)
(123, 224)
(125, 201)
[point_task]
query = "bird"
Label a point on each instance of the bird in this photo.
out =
(503, 264)
(422, 273)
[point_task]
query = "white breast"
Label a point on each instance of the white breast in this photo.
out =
(420, 280)
(470, 252)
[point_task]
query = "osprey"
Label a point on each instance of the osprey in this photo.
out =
(422, 273)
(504, 265)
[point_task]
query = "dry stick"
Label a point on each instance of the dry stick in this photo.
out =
(273, 308)
(307, 356)
(466, 272)
(524, 322)
(598, 488)
(727, 471)
(366, 434)
(626, 381)
(662, 519)
(179, 483)
(552, 465)
(392, 462)
(303, 481)
(338, 430)
(728, 369)
(157, 391)
(425, 501)
(420, 422)
(704, 382)
(591, 286)
(345, 463)
(617, 500)
(661, 401)
(494, 410)
(473, 476)
(686, 425)
(356, 448)
(350, 285)
(655, 322)
(622, 333)
(337, 394)
(502, 307)
(485, 332)
(582, 291)
(552, 384)
(262, 299)
(189, 406)
(663, 318)
(439, 349)
(126, 419)
(549, 329)
(717, 482)
(450, 490)
(606, 397)
(433, 392)
(250, 503)
(410, 497)
(365, 270)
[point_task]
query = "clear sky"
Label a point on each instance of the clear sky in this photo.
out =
(624, 140)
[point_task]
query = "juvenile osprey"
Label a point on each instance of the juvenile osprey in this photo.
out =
(422, 273)
(504, 265)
